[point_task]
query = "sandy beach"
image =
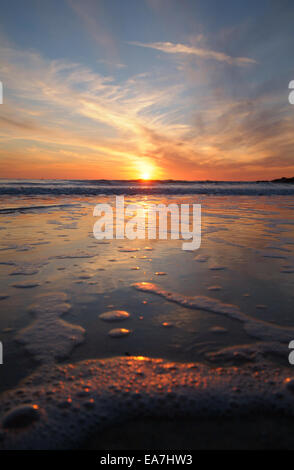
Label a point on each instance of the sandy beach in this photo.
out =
(199, 334)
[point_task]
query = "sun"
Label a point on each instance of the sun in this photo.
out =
(145, 175)
(146, 171)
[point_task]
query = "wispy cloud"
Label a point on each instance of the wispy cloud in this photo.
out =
(172, 48)
(62, 119)
(59, 105)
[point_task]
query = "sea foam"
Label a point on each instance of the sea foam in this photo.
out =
(257, 328)
(49, 337)
(58, 406)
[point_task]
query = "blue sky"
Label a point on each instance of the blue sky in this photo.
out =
(166, 88)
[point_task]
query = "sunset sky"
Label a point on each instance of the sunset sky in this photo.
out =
(167, 89)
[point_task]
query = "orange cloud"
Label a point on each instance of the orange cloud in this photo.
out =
(63, 120)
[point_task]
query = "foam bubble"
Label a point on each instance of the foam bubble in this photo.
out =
(21, 416)
(119, 332)
(114, 315)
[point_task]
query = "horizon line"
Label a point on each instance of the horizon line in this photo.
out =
(149, 180)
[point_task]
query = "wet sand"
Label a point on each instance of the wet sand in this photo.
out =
(228, 305)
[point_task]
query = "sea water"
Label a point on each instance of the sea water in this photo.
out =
(137, 321)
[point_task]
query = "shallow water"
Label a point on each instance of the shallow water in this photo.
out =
(246, 259)
(57, 279)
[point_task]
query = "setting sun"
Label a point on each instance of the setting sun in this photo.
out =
(146, 171)
(145, 176)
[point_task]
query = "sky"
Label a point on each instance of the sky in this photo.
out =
(154, 89)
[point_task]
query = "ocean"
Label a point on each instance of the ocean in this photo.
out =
(99, 331)
(136, 187)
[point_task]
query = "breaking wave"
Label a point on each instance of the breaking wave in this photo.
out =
(134, 187)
